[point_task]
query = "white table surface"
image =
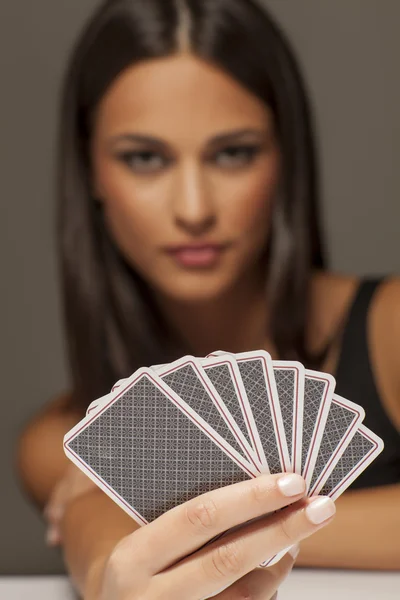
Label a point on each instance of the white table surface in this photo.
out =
(301, 585)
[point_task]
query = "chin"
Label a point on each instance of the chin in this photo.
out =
(195, 290)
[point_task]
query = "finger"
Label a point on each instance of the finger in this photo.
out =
(223, 562)
(53, 515)
(74, 484)
(198, 521)
(53, 536)
(54, 508)
(260, 584)
(53, 511)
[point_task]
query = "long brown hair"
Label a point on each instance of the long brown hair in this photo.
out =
(112, 324)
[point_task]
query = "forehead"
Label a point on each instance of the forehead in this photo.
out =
(168, 95)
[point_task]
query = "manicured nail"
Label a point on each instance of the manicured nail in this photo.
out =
(291, 485)
(294, 551)
(320, 510)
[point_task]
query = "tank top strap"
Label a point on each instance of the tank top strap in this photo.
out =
(355, 336)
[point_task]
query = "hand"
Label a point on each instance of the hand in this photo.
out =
(73, 483)
(167, 558)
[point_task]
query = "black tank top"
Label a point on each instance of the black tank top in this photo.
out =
(355, 381)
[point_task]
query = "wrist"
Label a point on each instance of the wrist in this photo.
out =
(94, 579)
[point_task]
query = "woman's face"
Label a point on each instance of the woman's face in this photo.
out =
(185, 162)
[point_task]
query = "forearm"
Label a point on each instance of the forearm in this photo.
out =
(365, 533)
(40, 459)
(92, 526)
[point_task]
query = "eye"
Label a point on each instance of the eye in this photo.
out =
(143, 161)
(237, 156)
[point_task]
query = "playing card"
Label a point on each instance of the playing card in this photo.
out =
(343, 420)
(318, 392)
(97, 403)
(361, 451)
(290, 380)
(258, 379)
(153, 443)
(149, 451)
(317, 395)
(188, 379)
(225, 377)
(256, 370)
(274, 559)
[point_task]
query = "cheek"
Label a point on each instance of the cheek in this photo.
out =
(130, 209)
(251, 202)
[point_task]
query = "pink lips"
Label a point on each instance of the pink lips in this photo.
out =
(201, 256)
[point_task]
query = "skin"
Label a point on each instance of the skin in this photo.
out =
(192, 186)
(188, 186)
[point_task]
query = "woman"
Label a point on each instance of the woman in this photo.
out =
(189, 222)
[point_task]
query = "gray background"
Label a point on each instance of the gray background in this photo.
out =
(350, 53)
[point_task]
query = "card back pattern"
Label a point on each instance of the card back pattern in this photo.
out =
(150, 454)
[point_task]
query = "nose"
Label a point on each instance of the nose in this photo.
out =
(193, 206)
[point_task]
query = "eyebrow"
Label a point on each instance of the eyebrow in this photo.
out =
(238, 133)
(218, 139)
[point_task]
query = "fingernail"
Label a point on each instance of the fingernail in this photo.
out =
(320, 510)
(292, 485)
(294, 551)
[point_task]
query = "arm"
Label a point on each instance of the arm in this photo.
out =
(40, 459)
(110, 557)
(91, 528)
(349, 543)
(92, 523)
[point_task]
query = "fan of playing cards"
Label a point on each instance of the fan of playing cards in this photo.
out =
(172, 432)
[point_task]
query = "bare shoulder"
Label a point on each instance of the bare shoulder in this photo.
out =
(40, 459)
(387, 305)
(328, 284)
(332, 293)
(384, 332)
(336, 290)
(332, 296)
